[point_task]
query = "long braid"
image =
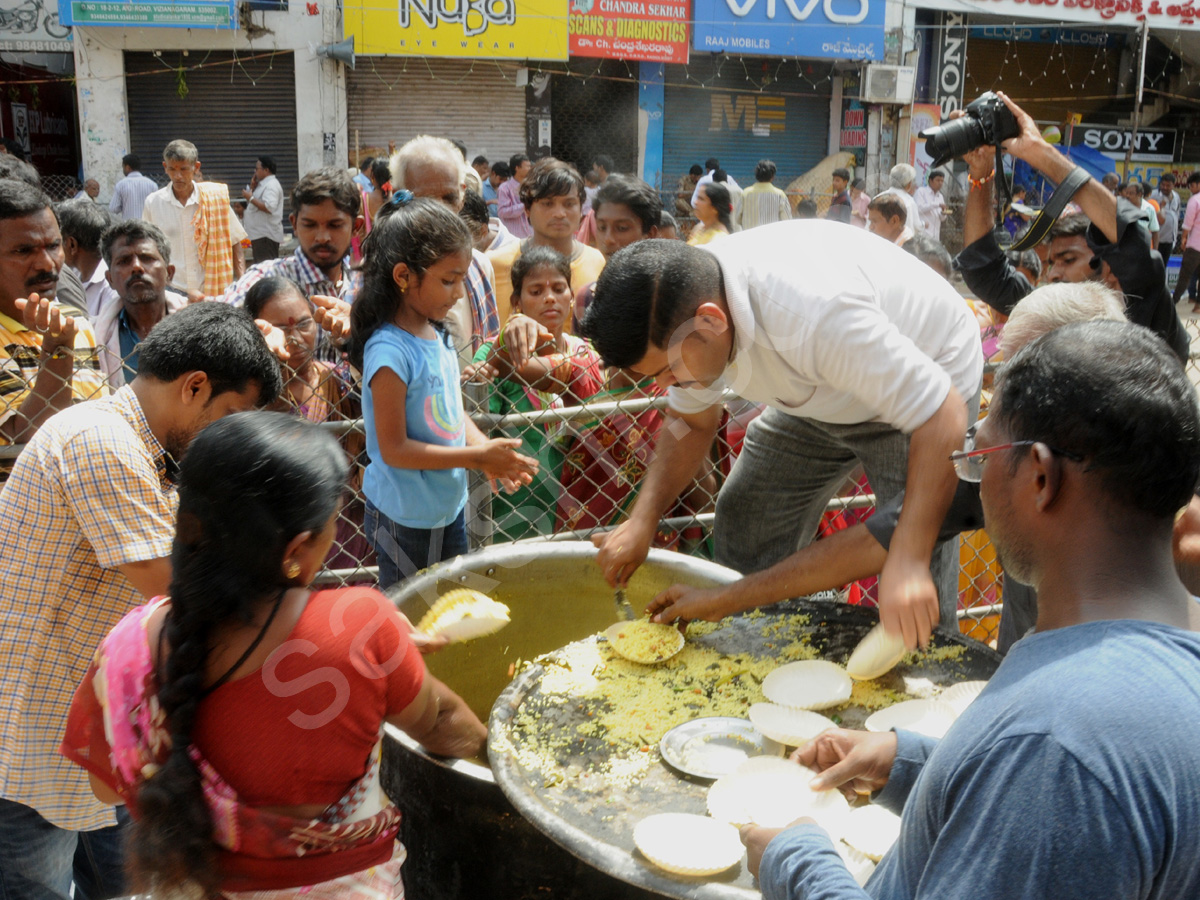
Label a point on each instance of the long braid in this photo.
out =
(172, 844)
(248, 485)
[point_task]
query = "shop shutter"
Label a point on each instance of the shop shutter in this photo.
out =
(474, 101)
(232, 108)
(739, 127)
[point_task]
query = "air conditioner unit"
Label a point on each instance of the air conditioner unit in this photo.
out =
(889, 84)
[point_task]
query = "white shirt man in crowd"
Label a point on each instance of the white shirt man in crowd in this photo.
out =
(710, 169)
(931, 204)
(1168, 214)
(129, 196)
(263, 219)
(863, 354)
(903, 178)
(187, 206)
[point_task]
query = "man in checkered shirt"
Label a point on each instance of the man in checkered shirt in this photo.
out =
(87, 520)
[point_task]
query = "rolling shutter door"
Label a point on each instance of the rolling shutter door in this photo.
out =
(232, 111)
(741, 127)
(476, 102)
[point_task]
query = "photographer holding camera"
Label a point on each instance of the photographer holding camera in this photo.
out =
(1104, 244)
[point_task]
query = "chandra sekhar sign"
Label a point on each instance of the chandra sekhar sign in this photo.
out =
(831, 29)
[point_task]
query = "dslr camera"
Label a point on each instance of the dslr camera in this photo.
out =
(987, 121)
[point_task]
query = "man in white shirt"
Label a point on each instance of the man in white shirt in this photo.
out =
(861, 353)
(710, 169)
(1168, 214)
(263, 219)
(187, 206)
(82, 222)
(129, 196)
(90, 191)
(903, 178)
(931, 204)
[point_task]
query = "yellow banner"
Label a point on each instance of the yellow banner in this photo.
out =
(482, 29)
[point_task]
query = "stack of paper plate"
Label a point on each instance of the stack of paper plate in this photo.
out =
(773, 793)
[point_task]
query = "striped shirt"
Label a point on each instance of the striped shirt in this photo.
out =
(302, 270)
(90, 493)
(19, 351)
(763, 203)
(129, 196)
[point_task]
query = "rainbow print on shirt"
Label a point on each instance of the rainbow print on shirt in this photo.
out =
(442, 419)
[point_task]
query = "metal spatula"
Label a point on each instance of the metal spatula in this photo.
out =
(624, 608)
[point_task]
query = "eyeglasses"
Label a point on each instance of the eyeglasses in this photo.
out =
(968, 462)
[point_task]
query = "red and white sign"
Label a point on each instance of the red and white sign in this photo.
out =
(1161, 14)
(646, 30)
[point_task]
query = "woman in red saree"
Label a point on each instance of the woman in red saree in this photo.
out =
(240, 718)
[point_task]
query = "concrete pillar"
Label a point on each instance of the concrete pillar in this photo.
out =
(103, 123)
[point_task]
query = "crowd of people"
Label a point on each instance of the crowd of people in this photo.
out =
(184, 707)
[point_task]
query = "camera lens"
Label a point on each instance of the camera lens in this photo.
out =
(954, 138)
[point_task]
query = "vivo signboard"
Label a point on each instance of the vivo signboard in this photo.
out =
(832, 29)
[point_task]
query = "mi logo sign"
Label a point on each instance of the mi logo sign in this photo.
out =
(761, 116)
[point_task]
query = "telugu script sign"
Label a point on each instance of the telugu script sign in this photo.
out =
(828, 29)
(1159, 13)
(631, 29)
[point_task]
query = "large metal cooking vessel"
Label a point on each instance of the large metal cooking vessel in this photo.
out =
(464, 838)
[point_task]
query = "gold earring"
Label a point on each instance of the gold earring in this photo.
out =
(292, 569)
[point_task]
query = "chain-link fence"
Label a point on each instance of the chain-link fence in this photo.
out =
(593, 433)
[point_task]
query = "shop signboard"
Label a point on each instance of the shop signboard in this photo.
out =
(1160, 14)
(643, 30)
(1151, 144)
(149, 13)
(479, 29)
(824, 29)
(32, 26)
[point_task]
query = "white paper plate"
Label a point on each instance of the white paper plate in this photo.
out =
(928, 717)
(871, 830)
(792, 727)
(773, 793)
(688, 845)
(463, 615)
(876, 654)
(644, 642)
(809, 684)
(961, 695)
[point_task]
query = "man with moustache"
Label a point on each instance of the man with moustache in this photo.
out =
(48, 357)
(327, 208)
(138, 258)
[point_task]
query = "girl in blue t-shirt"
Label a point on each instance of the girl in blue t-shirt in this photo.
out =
(418, 439)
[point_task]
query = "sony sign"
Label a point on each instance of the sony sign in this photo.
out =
(950, 63)
(1152, 144)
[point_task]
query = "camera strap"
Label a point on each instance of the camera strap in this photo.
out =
(1062, 195)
